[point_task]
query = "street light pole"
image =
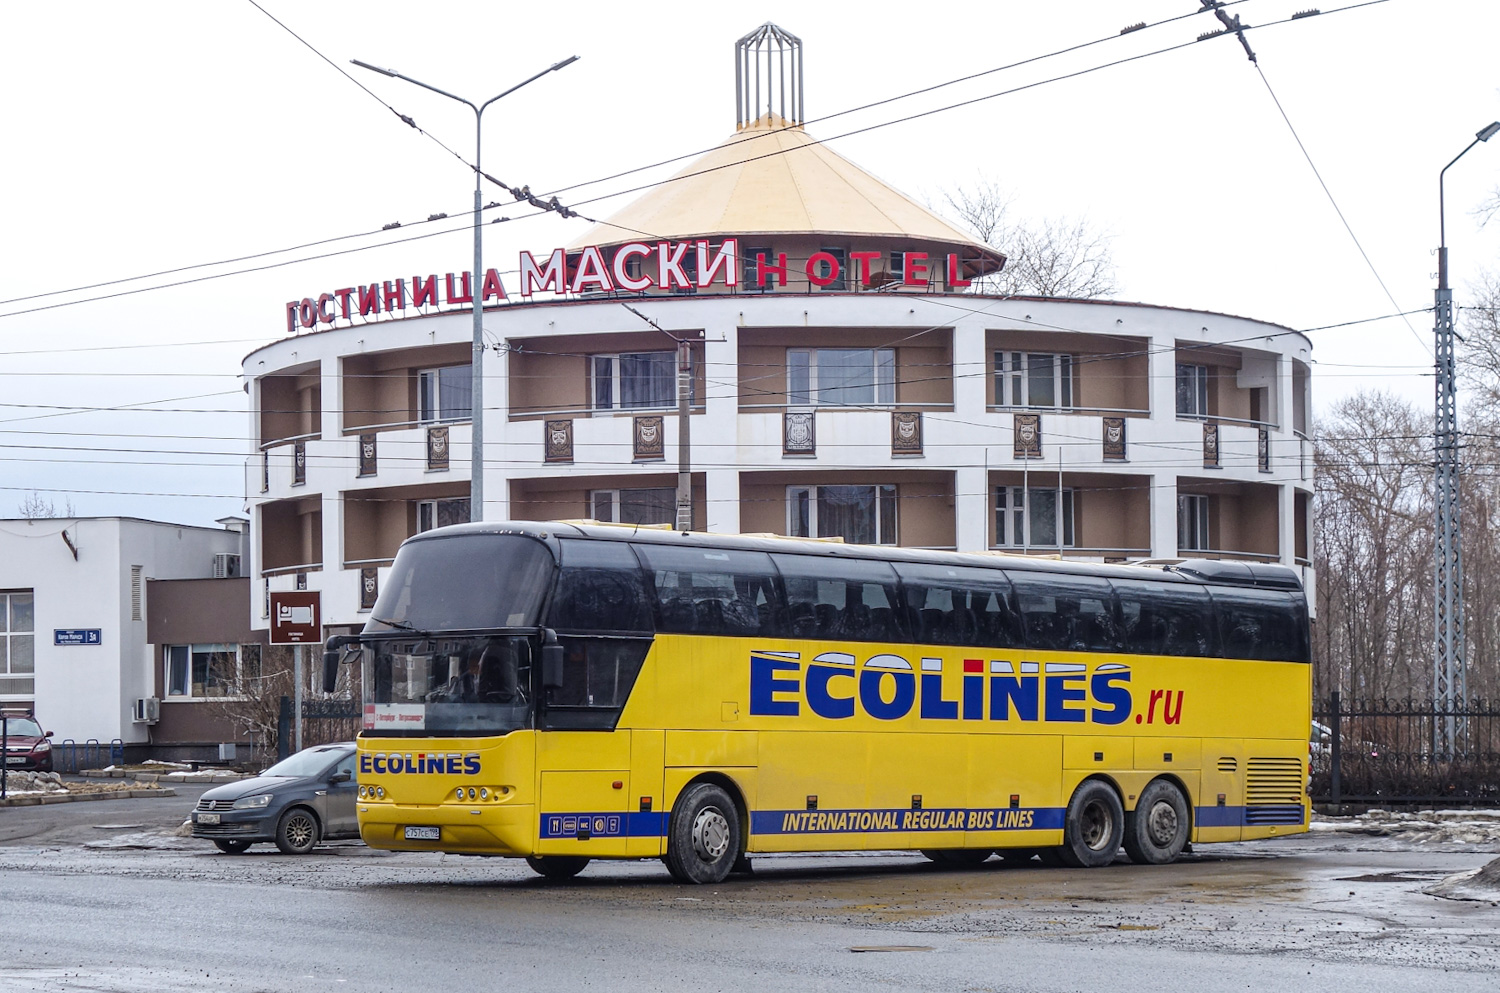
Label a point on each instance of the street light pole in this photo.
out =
(476, 286)
(1449, 668)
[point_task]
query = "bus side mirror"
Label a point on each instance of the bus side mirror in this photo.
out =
(552, 660)
(330, 671)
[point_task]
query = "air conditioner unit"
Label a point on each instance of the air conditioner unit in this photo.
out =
(147, 710)
(226, 565)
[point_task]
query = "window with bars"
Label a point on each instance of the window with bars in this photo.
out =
(445, 394)
(1192, 390)
(840, 376)
(863, 515)
(1034, 517)
(1192, 522)
(644, 505)
(441, 513)
(636, 380)
(17, 643)
(1035, 379)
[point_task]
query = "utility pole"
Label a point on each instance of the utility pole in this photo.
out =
(684, 420)
(1450, 681)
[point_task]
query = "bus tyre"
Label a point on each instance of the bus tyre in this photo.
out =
(557, 866)
(297, 831)
(1157, 830)
(957, 856)
(703, 841)
(1094, 827)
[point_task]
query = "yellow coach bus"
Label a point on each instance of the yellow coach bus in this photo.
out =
(564, 692)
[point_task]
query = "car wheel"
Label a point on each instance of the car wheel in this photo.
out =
(1094, 826)
(297, 832)
(232, 847)
(557, 866)
(1157, 830)
(957, 857)
(703, 841)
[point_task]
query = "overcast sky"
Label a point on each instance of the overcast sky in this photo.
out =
(154, 136)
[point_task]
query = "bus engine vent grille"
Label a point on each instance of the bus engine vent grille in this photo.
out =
(1228, 763)
(1274, 791)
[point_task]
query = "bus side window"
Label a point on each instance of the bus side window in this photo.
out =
(1256, 624)
(957, 605)
(1065, 613)
(840, 599)
(713, 591)
(600, 588)
(1159, 618)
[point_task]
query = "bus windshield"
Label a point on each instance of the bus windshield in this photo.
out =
(448, 686)
(465, 582)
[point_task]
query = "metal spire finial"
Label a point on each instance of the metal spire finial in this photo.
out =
(768, 76)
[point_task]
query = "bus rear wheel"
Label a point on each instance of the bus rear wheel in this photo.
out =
(957, 856)
(703, 840)
(1157, 830)
(1094, 827)
(557, 866)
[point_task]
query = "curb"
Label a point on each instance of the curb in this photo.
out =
(34, 799)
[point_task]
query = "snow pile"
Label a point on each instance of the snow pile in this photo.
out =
(1477, 884)
(18, 783)
(1420, 827)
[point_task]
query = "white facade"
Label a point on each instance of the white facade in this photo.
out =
(84, 691)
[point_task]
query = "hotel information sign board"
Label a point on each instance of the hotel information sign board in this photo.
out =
(295, 617)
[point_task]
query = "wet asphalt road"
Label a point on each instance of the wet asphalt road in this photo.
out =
(101, 897)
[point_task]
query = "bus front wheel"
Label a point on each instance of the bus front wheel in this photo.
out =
(557, 866)
(1157, 831)
(703, 841)
(1094, 827)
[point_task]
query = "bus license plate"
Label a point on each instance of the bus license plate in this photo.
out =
(423, 833)
(208, 818)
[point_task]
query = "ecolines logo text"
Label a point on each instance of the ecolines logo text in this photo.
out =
(888, 687)
(422, 763)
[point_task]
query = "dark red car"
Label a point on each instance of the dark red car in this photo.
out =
(26, 746)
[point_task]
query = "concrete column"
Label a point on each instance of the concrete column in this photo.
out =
(498, 436)
(971, 508)
(716, 431)
(1286, 516)
(1164, 516)
(969, 370)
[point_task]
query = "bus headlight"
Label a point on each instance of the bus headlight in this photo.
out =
(380, 792)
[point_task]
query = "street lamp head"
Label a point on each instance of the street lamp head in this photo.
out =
(573, 58)
(1488, 131)
(383, 72)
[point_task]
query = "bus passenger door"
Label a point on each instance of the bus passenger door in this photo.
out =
(1219, 809)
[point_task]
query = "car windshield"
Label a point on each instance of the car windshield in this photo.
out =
(452, 686)
(308, 762)
(22, 727)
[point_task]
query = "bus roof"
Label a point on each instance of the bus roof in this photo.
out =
(1197, 571)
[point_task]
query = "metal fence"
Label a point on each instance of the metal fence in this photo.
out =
(323, 721)
(1405, 752)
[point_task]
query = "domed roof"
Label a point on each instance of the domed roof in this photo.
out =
(772, 178)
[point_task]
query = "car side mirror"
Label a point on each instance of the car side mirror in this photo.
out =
(47, 735)
(552, 660)
(339, 777)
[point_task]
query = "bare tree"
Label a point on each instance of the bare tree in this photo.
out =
(1051, 257)
(1480, 347)
(37, 507)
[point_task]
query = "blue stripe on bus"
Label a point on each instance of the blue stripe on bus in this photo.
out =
(1254, 815)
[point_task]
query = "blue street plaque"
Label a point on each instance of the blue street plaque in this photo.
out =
(75, 636)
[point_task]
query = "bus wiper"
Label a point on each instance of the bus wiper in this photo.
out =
(401, 626)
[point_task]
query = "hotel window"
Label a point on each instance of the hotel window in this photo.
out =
(864, 515)
(825, 269)
(750, 271)
(897, 268)
(441, 513)
(1192, 523)
(212, 671)
(445, 394)
(841, 376)
(1035, 379)
(653, 505)
(17, 643)
(635, 380)
(1192, 390)
(1033, 517)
